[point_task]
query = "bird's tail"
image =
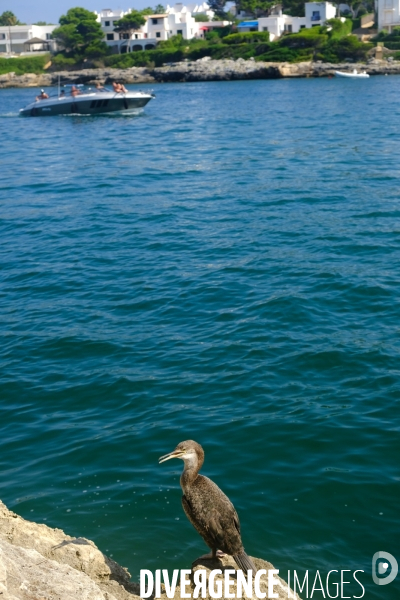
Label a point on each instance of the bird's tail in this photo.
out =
(244, 562)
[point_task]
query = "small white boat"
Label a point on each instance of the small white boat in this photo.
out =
(354, 74)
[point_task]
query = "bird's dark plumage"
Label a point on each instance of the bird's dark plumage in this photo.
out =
(208, 509)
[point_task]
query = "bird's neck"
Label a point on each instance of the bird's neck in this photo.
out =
(190, 473)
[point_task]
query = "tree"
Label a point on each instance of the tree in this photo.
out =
(201, 18)
(258, 8)
(9, 19)
(218, 7)
(130, 22)
(42, 23)
(80, 32)
(159, 9)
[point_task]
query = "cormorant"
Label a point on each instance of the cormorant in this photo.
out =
(207, 507)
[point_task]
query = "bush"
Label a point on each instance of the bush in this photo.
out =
(20, 66)
(175, 41)
(392, 45)
(282, 54)
(348, 47)
(306, 38)
(61, 61)
(245, 38)
(339, 29)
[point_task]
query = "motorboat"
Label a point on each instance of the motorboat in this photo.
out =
(82, 100)
(354, 74)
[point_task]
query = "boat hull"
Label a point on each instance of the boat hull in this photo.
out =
(351, 75)
(87, 104)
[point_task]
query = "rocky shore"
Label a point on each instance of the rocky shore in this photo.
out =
(200, 70)
(41, 563)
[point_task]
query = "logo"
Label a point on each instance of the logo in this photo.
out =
(384, 568)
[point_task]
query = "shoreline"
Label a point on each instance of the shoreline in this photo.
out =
(200, 70)
(38, 561)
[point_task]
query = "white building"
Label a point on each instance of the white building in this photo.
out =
(388, 13)
(316, 13)
(319, 12)
(122, 42)
(177, 20)
(278, 23)
(195, 9)
(25, 39)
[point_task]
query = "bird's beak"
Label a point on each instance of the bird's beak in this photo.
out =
(174, 454)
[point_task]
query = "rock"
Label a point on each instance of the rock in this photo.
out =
(204, 69)
(41, 563)
(227, 562)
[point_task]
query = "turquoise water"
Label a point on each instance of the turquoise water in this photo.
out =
(224, 267)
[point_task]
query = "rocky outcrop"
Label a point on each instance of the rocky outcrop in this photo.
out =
(41, 563)
(200, 70)
(227, 563)
(86, 76)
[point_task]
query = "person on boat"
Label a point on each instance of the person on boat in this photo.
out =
(119, 88)
(99, 87)
(74, 91)
(42, 95)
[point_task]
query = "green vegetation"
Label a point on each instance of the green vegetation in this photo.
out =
(338, 29)
(9, 19)
(218, 6)
(256, 8)
(390, 39)
(80, 35)
(330, 43)
(20, 66)
(245, 38)
(130, 23)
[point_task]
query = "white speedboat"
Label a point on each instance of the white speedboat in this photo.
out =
(86, 101)
(354, 74)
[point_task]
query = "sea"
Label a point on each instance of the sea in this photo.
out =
(223, 266)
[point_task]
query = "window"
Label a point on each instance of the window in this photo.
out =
(265, 28)
(110, 36)
(21, 35)
(316, 15)
(48, 36)
(124, 36)
(3, 48)
(158, 34)
(288, 28)
(154, 21)
(106, 23)
(3, 36)
(302, 26)
(136, 36)
(179, 32)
